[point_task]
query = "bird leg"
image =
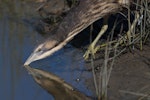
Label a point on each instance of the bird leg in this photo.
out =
(92, 49)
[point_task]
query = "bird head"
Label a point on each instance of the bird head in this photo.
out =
(42, 51)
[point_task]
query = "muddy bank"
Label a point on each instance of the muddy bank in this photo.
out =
(129, 79)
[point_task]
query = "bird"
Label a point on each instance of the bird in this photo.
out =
(76, 20)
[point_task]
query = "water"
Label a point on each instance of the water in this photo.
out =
(17, 40)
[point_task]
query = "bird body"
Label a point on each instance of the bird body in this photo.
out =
(77, 19)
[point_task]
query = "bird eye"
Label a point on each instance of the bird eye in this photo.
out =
(39, 50)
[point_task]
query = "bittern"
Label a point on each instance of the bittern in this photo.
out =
(79, 18)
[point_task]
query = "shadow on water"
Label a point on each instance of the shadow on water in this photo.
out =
(17, 40)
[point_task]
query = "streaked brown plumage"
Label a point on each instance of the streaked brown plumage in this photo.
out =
(87, 12)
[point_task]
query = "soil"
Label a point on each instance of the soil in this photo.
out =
(130, 77)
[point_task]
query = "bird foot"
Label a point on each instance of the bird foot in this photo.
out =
(90, 51)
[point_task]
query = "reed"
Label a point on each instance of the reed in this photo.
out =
(137, 35)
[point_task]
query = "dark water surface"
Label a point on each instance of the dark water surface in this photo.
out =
(17, 40)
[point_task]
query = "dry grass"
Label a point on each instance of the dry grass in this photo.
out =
(137, 35)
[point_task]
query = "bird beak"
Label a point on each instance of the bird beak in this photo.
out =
(33, 57)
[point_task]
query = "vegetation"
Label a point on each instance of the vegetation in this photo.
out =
(138, 34)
